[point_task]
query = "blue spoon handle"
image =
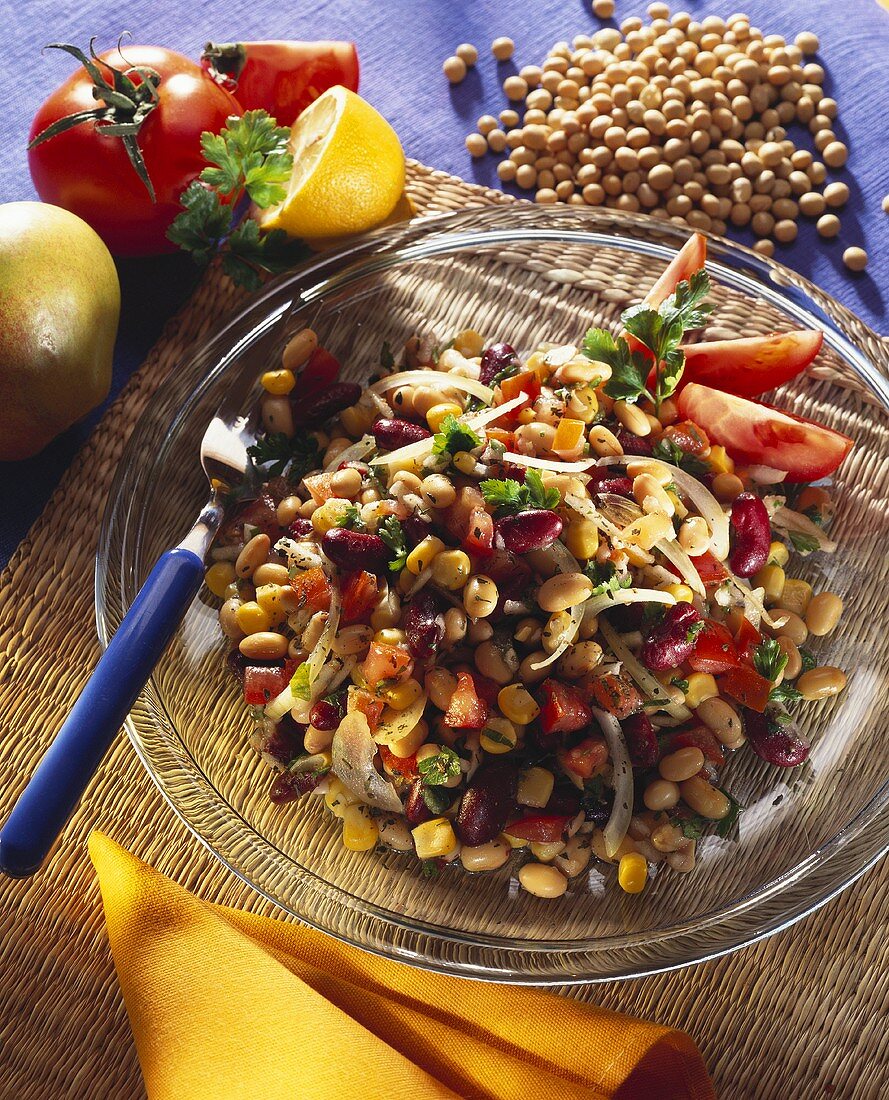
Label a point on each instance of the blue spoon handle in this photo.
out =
(63, 774)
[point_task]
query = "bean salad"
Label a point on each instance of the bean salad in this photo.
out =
(499, 606)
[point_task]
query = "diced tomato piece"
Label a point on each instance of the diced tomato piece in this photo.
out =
(501, 435)
(585, 759)
(487, 690)
(480, 537)
(699, 737)
(386, 662)
(360, 594)
(747, 686)
(321, 371)
(759, 434)
(714, 650)
(540, 828)
(467, 521)
(563, 709)
(312, 589)
(688, 437)
(752, 365)
(320, 488)
(405, 766)
(746, 640)
(710, 569)
(367, 704)
(263, 684)
(465, 710)
(617, 695)
(525, 382)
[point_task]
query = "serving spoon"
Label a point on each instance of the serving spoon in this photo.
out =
(44, 806)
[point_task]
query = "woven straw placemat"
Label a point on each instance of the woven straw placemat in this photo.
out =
(801, 1015)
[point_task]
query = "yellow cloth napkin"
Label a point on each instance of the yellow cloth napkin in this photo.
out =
(231, 1006)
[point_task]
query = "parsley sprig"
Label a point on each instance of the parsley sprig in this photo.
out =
(509, 496)
(351, 519)
(298, 456)
(668, 451)
(660, 331)
(804, 544)
(769, 659)
(453, 437)
(392, 533)
(248, 161)
(606, 578)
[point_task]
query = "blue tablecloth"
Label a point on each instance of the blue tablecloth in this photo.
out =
(402, 44)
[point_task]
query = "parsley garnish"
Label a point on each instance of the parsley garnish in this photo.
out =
(668, 451)
(606, 578)
(436, 770)
(453, 437)
(629, 369)
(279, 452)
(510, 496)
(248, 162)
(809, 661)
(392, 533)
(496, 736)
(769, 659)
(681, 684)
(301, 683)
(804, 544)
(784, 693)
(695, 629)
(430, 868)
(351, 519)
(693, 827)
(726, 824)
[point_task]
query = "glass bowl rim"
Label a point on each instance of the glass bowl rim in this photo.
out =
(417, 240)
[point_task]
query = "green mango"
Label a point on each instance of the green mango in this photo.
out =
(59, 309)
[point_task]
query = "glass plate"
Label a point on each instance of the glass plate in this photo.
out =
(522, 274)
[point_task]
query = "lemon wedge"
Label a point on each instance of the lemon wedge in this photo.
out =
(348, 170)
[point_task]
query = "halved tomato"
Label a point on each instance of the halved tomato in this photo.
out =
(753, 365)
(754, 433)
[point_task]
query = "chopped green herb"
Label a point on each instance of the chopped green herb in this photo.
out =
(392, 534)
(815, 514)
(436, 770)
(510, 496)
(605, 578)
(695, 629)
(301, 682)
(728, 823)
(785, 693)
(496, 736)
(693, 827)
(681, 684)
(668, 451)
(298, 456)
(808, 659)
(629, 369)
(430, 868)
(453, 437)
(387, 359)
(505, 372)
(769, 659)
(351, 519)
(804, 544)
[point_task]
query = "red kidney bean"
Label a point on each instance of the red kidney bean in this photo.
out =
(424, 625)
(355, 550)
(778, 744)
(415, 809)
(668, 644)
(325, 715)
(604, 480)
(532, 530)
(634, 444)
(564, 801)
(416, 529)
(321, 406)
(391, 434)
(287, 741)
(641, 740)
(495, 359)
(300, 528)
(751, 535)
(488, 802)
(288, 786)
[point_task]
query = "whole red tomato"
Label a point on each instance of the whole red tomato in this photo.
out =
(90, 173)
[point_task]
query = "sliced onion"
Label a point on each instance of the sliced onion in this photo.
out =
(396, 724)
(627, 595)
(352, 752)
(622, 781)
(423, 447)
(588, 510)
(570, 633)
(550, 464)
(355, 453)
(785, 519)
(304, 555)
(437, 380)
(674, 554)
(754, 608)
(276, 708)
(700, 496)
(319, 655)
(652, 687)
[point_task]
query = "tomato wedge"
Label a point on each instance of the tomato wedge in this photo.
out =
(715, 650)
(754, 433)
(689, 259)
(753, 365)
(586, 759)
(540, 829)
(747, 686)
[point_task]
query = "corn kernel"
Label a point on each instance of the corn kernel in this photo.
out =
(569, 434)
(719, 461)
(681, 593)
(451, 569)
(355, 420)
(218, 577)
(632, 873)
(269, 598)
(435, 416)
(279, 382)
(401, 696)
(535, 787)
(526, 416)
(464, 462)
(434, 838)
(514, 841)
(252, 618)
(360, 832)
(329, 513)
(517, 703)
(423, 554)
(338, 797)
(770, 578)
(796, 596)
(357, 677)
(582, 538)
(389, 635)
(779, 554)
(499, 735)
(701, 686)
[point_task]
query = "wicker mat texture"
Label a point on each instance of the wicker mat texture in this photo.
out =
(802, 1015)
